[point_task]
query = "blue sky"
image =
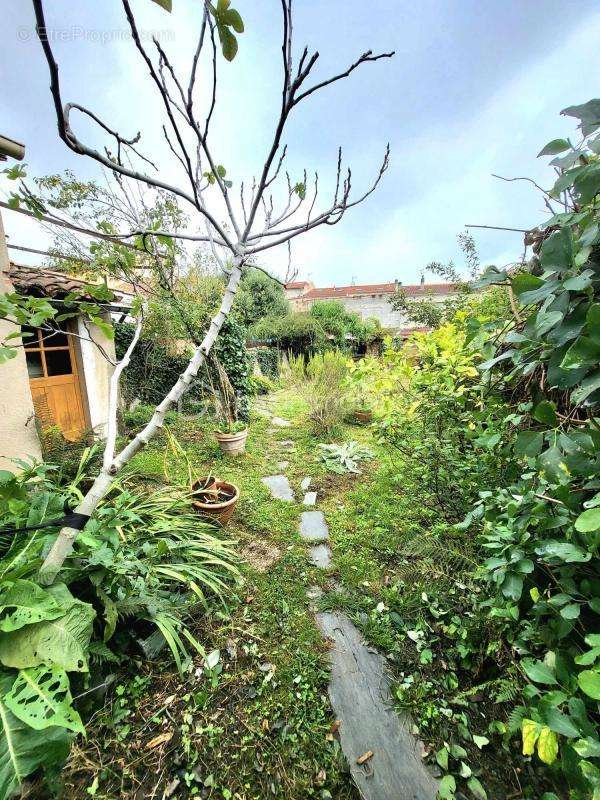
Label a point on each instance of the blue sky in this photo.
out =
(475, 88)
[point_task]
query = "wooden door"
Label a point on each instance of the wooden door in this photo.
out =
(54, 381)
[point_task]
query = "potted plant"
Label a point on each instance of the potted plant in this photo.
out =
(215, 498)
(232, 431)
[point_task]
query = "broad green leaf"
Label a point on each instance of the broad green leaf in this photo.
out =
(442, 758)
(23, 603)
(24, 750)
(554, 147)
(233, 19)
(582, 353)
(525, 282)
(62, 642)
(529, 443)
(564, 551)
(545, 412)
(587, 748)
(557, 250)
(539, 672)
(41, 697)
(588, 114)
(447, 788)
(547, 746)
(588, 521)
(475, 787)
(589, 385)
(559, 722)
(530, 731)
(229, 45)
(166, 4)
(589, 683)
(480, 741)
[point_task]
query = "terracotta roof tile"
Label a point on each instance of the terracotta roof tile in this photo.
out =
(46, 282)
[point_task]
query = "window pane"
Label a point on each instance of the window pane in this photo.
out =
(55, 338)
(58, 362)
(30, 341)
(34, 365)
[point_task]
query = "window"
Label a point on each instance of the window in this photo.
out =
(48, 353)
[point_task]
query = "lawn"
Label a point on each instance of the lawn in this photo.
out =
(258, 723)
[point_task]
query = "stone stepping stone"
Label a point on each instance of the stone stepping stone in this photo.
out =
(313, 527)
(279, 486)
(305, 484)
(283, 465)
(287, 444)
(359, 691)
(310, 499)
(280, 422)
(320, 555)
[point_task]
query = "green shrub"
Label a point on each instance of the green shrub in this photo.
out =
(268, 360)
(320, 383)
(141, 414)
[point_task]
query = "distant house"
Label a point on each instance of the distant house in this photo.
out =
(59, 379)
(369, 301)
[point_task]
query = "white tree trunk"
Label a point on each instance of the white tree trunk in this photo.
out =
(66, 538)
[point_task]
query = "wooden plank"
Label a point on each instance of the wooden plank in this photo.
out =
(383, 756)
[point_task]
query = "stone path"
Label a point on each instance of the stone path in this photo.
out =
(279, 486)
(359, 691)
(384, 757)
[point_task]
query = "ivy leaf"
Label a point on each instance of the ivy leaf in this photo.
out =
(442, 758)
(41, 697)
(554, 147)
(589, 683)
(480, 741)
(588, 520)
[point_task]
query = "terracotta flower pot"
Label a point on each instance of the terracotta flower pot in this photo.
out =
(223, 511)
(362, 416)
(232, 444)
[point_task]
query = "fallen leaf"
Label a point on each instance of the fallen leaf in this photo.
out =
(365, 757)
(335, 726)
(160, 739)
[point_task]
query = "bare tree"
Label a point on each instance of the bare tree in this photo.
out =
(257, 227)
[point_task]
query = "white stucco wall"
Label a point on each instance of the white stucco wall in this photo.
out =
(18, 434)
(97, 371)
(368, 306)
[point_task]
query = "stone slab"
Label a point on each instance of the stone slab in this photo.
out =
(313, 527)
(305, 483)
(359, 691)
(320, 555)
(280, 422)
(279, 486)
(310, 499)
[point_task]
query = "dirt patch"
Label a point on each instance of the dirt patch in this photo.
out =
(260, 555)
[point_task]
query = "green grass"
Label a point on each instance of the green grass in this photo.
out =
(260, 729)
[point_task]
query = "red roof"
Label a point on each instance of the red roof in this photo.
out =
(414, 290)
(297, 284)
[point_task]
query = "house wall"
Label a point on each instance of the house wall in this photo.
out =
(369, 307)
(96, 372)
(18, 434)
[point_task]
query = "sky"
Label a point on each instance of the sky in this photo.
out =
(475, 89)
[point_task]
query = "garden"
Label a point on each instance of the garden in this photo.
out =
(289, 568)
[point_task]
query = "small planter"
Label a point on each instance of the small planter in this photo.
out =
(207, 499)
(232, 444)
(363, 416)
